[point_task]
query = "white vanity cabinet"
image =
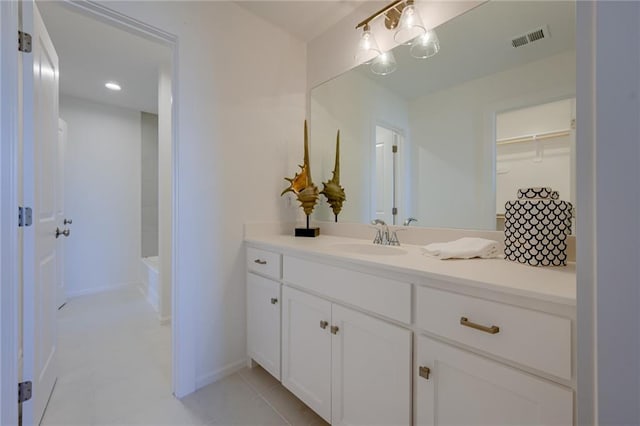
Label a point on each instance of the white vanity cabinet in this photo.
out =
(349, 367)
(364, 342)
(263, 309)
(456, 387)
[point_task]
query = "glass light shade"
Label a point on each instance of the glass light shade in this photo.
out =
(384, 64)
(410, 25)
(425, 46)
(367, 47)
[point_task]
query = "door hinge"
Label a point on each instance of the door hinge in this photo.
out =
(24, 42)
(394, 149)
(25, 216)
(394, 211)
(24, 391)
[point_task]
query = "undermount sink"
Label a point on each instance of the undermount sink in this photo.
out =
(369, 248)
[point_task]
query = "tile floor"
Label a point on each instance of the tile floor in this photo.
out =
(114, 369)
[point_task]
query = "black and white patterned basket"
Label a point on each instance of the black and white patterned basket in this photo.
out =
(536, 228)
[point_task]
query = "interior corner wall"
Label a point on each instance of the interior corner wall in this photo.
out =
(149, 176)
(165, 186)
(609, 242)
(239, 108)
(102, 196)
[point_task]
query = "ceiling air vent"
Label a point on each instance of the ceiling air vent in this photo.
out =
(530, 37)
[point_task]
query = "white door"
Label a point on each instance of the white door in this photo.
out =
(263, 322)
(385, 180)
(371, 372)
(466, 389)
(40, 113)
(306, 349)
(61, 297)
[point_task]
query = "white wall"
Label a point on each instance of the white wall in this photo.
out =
(240, 107)
(102, 196)
(149, 184)
(608, 151)
(165, 187)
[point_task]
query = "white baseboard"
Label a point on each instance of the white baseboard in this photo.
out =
(96, 290)
(153, 299)
(214, 376)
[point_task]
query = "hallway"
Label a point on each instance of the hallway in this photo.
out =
(114, 369)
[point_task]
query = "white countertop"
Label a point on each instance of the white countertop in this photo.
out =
(550, 284)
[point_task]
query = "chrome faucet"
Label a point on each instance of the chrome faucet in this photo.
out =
(383, 237)
(409, 220)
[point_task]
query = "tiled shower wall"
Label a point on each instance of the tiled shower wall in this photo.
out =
(149, 184)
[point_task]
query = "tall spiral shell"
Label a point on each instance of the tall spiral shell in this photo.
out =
(331, 189)
(301, 184)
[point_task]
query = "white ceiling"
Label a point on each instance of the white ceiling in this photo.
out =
(305, 19)
(478, 43)
(92, 53)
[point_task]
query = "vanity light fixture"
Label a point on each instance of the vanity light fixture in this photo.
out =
(112, 85)
(402, 16)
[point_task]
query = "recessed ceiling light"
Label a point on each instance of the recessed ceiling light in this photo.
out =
(112, 85)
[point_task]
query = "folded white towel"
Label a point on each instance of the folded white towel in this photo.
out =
(464, 248)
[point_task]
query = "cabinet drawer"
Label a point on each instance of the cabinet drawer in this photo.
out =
(264, 262)
(376, 294)
(535, 339)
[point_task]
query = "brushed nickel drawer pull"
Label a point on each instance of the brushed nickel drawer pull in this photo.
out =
(494, 329)
(260, 262)
(334, 329)
(424, 372)
(324, 324)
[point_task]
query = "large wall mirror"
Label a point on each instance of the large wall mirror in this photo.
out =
(449, 139)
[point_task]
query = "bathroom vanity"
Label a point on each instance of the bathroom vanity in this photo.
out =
(367, 334)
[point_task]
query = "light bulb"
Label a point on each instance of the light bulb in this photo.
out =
(367, 47)
(410, 25)
(384, 64)
(425, 46)
(112, 85)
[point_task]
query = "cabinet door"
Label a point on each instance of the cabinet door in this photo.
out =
(306, 349)
(263, 323)
(466, 389)
(371, 370)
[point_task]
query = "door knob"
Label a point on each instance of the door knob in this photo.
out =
(66, 232)
(324, 324)
(67, 222)
(274, 300)
(334, 329)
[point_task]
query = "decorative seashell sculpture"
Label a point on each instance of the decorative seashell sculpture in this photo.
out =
(302, 185)
(332, 190)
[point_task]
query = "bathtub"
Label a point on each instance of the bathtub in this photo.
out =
(150, 281)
